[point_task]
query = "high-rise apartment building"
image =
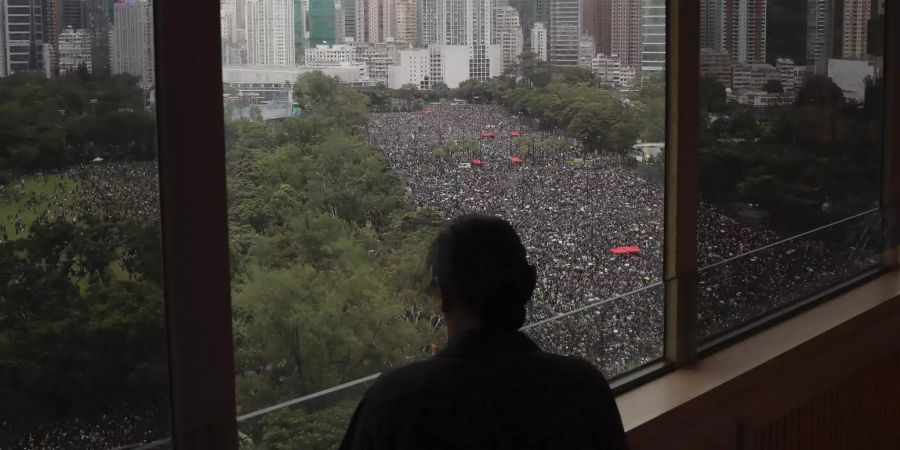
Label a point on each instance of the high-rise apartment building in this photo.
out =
(626, 40)
(565, 31)
(744, 30)
(711, 24)
(270, 32)
(819, 34)
(23, 36)
(74, 50)
(508, 33)
(131, 41)
(99, 14)
(654, 36)
(857, 14)
(321, 22)
(595, 22)
(299, 31)
(406, 21)
(587, 50)
(377, 20)
(539, 40)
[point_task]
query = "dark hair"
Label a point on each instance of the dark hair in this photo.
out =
(480, 261)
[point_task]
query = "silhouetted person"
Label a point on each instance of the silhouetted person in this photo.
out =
(491, 387)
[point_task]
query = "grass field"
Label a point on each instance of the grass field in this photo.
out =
(44, 186)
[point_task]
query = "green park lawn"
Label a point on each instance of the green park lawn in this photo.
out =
(37, 184)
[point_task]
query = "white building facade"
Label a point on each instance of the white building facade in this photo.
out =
(131, 41)
(539, 40)
(270, 32)
(74, 50)
(653, 36)
(327, 55)
(507, 31)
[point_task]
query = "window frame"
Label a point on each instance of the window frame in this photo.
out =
(193, 196)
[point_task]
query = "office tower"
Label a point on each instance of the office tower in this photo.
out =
(654, 36)
(539, 40)
(819, 35)
(744, 30)
(131, 40)
(299, 31)
(98, 18)
(320, 22)
(74, 50)
(23, 37)
(625, 32)
(565, 32)
(349, 8)
(508, 33)
(711, 24)
(595, 21)
(857, 14)
(72, 14)
(444, 21)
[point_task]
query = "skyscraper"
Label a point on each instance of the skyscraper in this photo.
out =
(565, 32)
(350, 24)
(131, 39)
(406, 21)
(444, 22)
(321, 22)
(654, 36)
(508, 33)
(857, 14)
(23, 37)
(595, 21)
(626, 29)
(467, 26)
(711, 24)
(270, 32)
(744, 30)
(539, 40)
(819, 34)
(299, 31)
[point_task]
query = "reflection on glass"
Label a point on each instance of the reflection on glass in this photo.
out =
(82, 333)
(790, 142)
(768, 278)
(345, 157)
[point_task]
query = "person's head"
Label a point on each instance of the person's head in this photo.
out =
(481, 273)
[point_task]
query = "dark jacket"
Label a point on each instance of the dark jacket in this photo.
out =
(489, 390)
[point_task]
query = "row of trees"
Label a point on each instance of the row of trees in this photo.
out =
(49, 123)
(806, 164)
(328, 264)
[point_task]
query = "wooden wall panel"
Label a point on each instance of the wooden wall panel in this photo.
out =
(860, 412)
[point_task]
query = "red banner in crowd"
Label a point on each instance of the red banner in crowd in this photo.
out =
(514, 133)
(477, 162)
(516, 160)
(487, 134)
(425, 112)
(631, 250)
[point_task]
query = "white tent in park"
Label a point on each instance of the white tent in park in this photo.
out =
(98, 159)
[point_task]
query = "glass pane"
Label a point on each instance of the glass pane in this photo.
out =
(82, 329)
(353, 137)
(790, 152)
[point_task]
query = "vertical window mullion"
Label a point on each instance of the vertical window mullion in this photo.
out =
(890, 195)
(682, 142)
(194, 218)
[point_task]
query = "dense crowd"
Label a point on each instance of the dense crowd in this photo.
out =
(127, 429)
(117, 192)
(572, 210)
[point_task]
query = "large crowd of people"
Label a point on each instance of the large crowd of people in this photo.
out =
(572, 211)
(112, 191)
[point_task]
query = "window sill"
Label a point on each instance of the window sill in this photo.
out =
(651, 409)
